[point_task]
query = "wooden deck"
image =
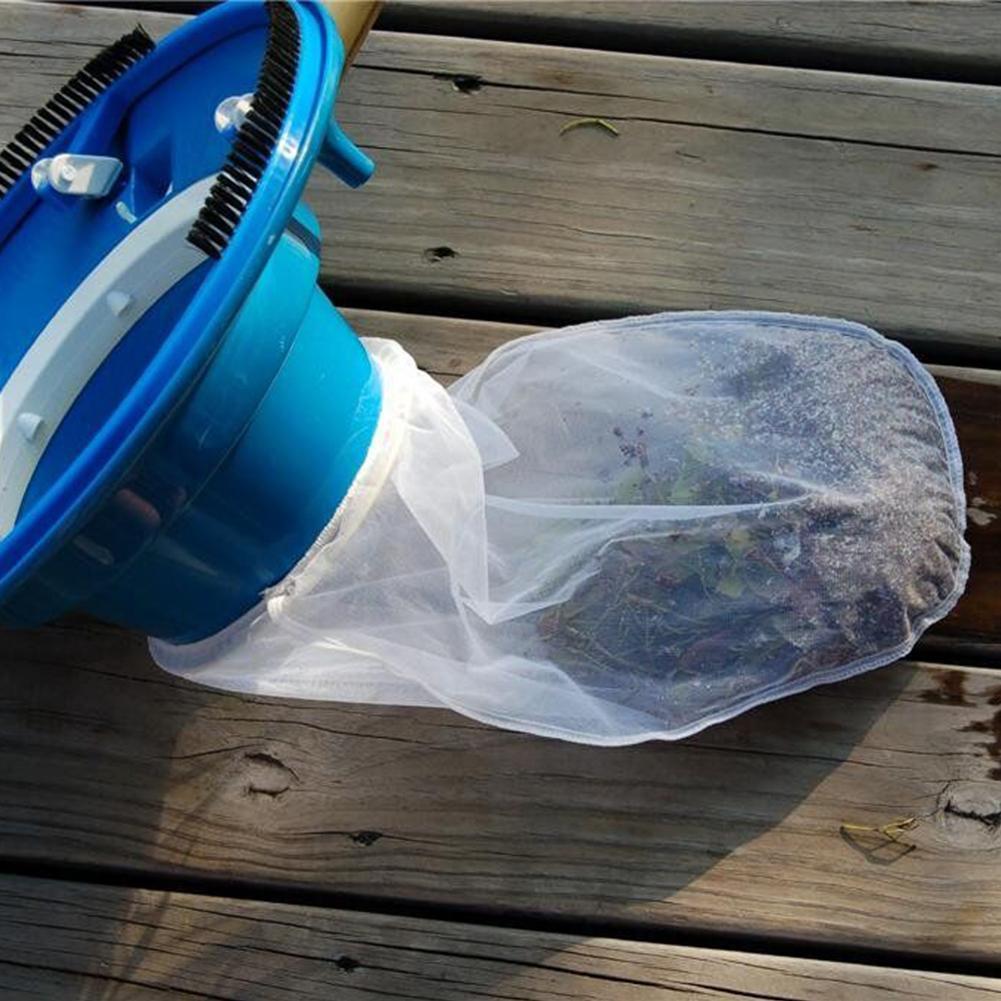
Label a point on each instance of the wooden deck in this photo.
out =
(158, 839)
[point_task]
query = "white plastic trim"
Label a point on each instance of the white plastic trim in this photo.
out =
(153, 258)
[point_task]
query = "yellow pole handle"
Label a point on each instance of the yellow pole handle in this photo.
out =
(353, 18)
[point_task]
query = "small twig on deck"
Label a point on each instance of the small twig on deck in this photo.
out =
(891, 830)
(580, 123)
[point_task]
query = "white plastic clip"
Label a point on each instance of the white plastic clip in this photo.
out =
(232, 111)
(76, 174)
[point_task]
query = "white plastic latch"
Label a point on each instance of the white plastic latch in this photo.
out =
(76, 174)
(232, 111)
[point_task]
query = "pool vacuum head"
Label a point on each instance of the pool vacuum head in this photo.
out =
(181, 408)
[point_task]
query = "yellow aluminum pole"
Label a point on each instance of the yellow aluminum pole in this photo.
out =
(353, 18)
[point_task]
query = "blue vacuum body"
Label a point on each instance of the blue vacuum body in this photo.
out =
(181, 408)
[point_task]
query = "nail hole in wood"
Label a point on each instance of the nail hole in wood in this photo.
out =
(435, 254)
(464, 83)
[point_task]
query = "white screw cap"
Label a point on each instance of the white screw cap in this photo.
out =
(232, 111)
(118, 301)
(40, 173)
(29, 425)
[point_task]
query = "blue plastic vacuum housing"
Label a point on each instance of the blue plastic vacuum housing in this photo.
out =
(181, 408)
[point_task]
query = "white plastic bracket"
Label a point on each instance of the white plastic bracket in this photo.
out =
(76, 174)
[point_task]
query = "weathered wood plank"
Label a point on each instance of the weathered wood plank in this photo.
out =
(976, 410)
(448, 347)
(70, 940)
(108, 761)
(727, 185)
(950, 38)
(945, 39)
(667, 214)
(50, 39)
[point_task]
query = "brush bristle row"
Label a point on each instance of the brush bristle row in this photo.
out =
(68, 102)
(255, 139)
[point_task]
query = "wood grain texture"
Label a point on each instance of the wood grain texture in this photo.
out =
(727, 185)
(976, 411)
(107, 761)
(945, 37)
(715, 193)
(68, 940)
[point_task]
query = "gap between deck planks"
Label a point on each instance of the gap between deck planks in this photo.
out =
(69, 940)
(109, 763)
(727, 186)
(938, 39)
(935, 38)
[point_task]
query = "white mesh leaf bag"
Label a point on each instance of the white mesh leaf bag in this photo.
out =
(623, 530)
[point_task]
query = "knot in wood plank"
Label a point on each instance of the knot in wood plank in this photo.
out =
(969, 814)
(267, 775)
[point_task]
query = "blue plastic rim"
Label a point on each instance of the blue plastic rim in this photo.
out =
(214, 443)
